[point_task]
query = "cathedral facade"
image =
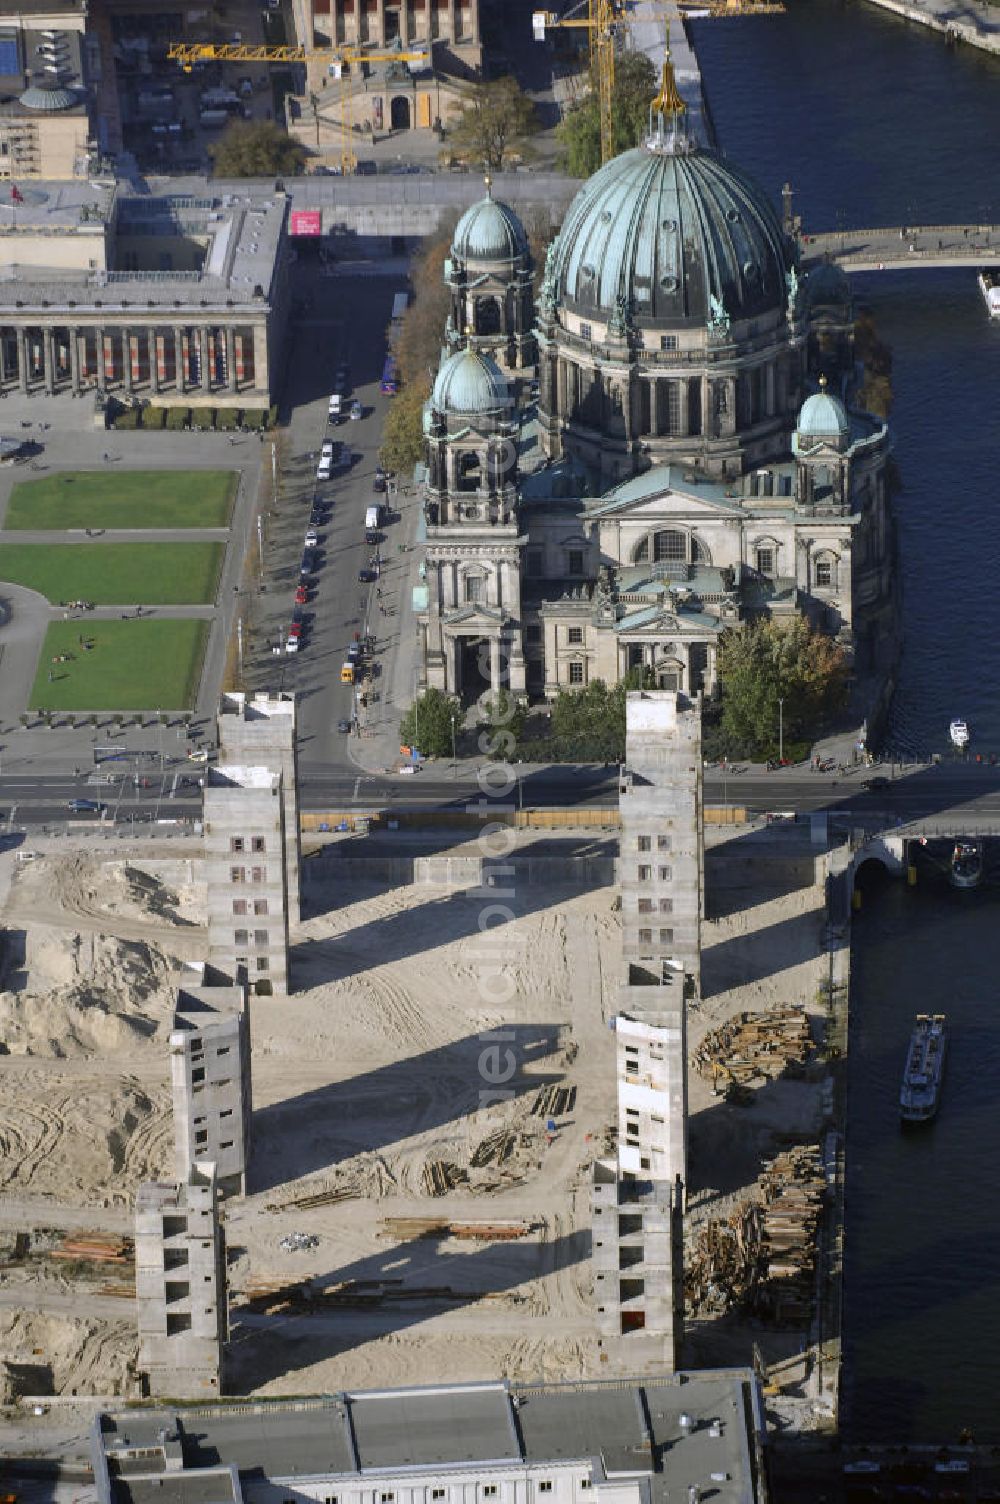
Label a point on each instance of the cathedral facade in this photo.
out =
(658, 451)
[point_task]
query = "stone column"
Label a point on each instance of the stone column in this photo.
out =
(261, 373)
(379, 37)
(3, 357)
(494, 664)
(179, 382)
(49, 360)
(683, 417)
(654, 409)
(452, 20)
(230, 359)
(729, 419)
(206, 369)
(127, 360)
(404, 32)
(102, 380)
(74, 361)
(153, 343)
(769, 389)
(22, 358)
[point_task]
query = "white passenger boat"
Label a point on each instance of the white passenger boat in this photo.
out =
(959, 733)
(989, 286)
(921, 1088)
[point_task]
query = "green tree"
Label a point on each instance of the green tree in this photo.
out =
(770, 661)
(256, 149)
(402, 432)
(498, 120)
(579, 134)
(427, 724)
(501, 719)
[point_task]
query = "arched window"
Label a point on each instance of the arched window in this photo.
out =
(487, 316)
(670, 546)
(469, 471)
(474, 586)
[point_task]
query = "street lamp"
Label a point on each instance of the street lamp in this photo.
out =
(454, 754)
(781, 731)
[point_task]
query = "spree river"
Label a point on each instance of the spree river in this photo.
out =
(874, 122)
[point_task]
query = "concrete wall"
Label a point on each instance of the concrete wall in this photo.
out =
(462, 871)
(245, 872)
(260, 729)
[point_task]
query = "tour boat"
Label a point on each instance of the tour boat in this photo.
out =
(989, 286)
(918, 1095)
(966, 865)
(959, 733)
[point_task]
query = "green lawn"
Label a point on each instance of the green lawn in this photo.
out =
(116, 574)
(123, 498)
(131, 665)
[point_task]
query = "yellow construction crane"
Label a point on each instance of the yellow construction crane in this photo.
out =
(603, 21)
(189, 53)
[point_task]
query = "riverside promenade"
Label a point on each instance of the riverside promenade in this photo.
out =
(975, 22)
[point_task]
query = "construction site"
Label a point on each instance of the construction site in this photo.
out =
(400, 1209)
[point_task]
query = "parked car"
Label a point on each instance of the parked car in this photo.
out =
(344, 726)
(357, 411)
(341, 381)
(312, 538)
(292, 645)
(327, 451)
(308, 565)
(367, 576)
(334, 407)
(323, 470)
(301, 595)
(296, 629)
(379, 483)
(878, 782)
(81, 806)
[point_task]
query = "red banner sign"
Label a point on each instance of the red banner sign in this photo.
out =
(307, 222)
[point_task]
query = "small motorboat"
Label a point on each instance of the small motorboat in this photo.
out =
(966, 870)
(959, 733)
(918, 1095)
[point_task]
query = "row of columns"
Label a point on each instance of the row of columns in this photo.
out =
(100, 357)
(714, 412)
(345, 25)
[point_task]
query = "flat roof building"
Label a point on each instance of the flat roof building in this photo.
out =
(631, 1442)
(169, 298)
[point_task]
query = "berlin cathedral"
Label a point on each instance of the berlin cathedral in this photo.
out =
(658, 447)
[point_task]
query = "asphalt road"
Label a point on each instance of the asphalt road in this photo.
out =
(971, 791)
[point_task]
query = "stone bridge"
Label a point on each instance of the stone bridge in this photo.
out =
(909, 247)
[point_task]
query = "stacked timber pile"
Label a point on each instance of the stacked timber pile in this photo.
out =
(495, 1149)
(554, 1101)
(793, 1185)
(93, 1248)
(762, 1258)
(756, 1046)
(441, 1227)
(267, 1297)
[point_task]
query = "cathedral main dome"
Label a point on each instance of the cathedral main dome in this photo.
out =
(676, 236)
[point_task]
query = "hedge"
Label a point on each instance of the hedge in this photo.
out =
(227, 419)
(203, 418)
(154, 418)
(128, 419)
(178, 418)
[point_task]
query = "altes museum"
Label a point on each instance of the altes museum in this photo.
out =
(658, 448)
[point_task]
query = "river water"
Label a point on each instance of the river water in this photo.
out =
(874, 122)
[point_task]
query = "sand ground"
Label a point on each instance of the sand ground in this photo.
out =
(384, 1059)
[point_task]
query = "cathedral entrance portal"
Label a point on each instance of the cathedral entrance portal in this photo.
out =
(472, 668)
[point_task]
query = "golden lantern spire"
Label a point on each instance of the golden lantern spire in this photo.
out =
(668, 101)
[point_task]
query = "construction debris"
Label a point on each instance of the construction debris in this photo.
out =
(554, 1101)
(756, 1046)
(762, 1258)
(296, 1242)
(494, 1149)
(318, 1198)
(273, 1299)
(441, 1176)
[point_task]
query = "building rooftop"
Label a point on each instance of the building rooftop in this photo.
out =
(241, 233)
(232, 775)
(260, 707)
(674, 1433)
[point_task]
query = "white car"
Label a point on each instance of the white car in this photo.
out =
(326, 453)
(335, 408)
(323, 469)
(292, 645)
(312, 538)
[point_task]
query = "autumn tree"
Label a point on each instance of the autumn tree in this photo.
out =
(256, 149)
(579, 134)
(431, 723)
(498, 120)
(402, 432)
(768, 661)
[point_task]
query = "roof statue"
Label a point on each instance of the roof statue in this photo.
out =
(621, 321)
(718, 318)
(793, 285)
(549, 288)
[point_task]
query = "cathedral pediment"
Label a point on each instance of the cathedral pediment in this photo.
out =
(485, 617)
(665, 491)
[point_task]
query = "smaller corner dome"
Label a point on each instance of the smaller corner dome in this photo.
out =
(470, 382)
(827, 283)
(50, 99)
(489, 231)
(823, 416)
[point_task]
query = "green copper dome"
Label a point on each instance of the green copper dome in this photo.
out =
(469, 382)
(823, 416)
(670, 234)
(489, 231)
(826, 283)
